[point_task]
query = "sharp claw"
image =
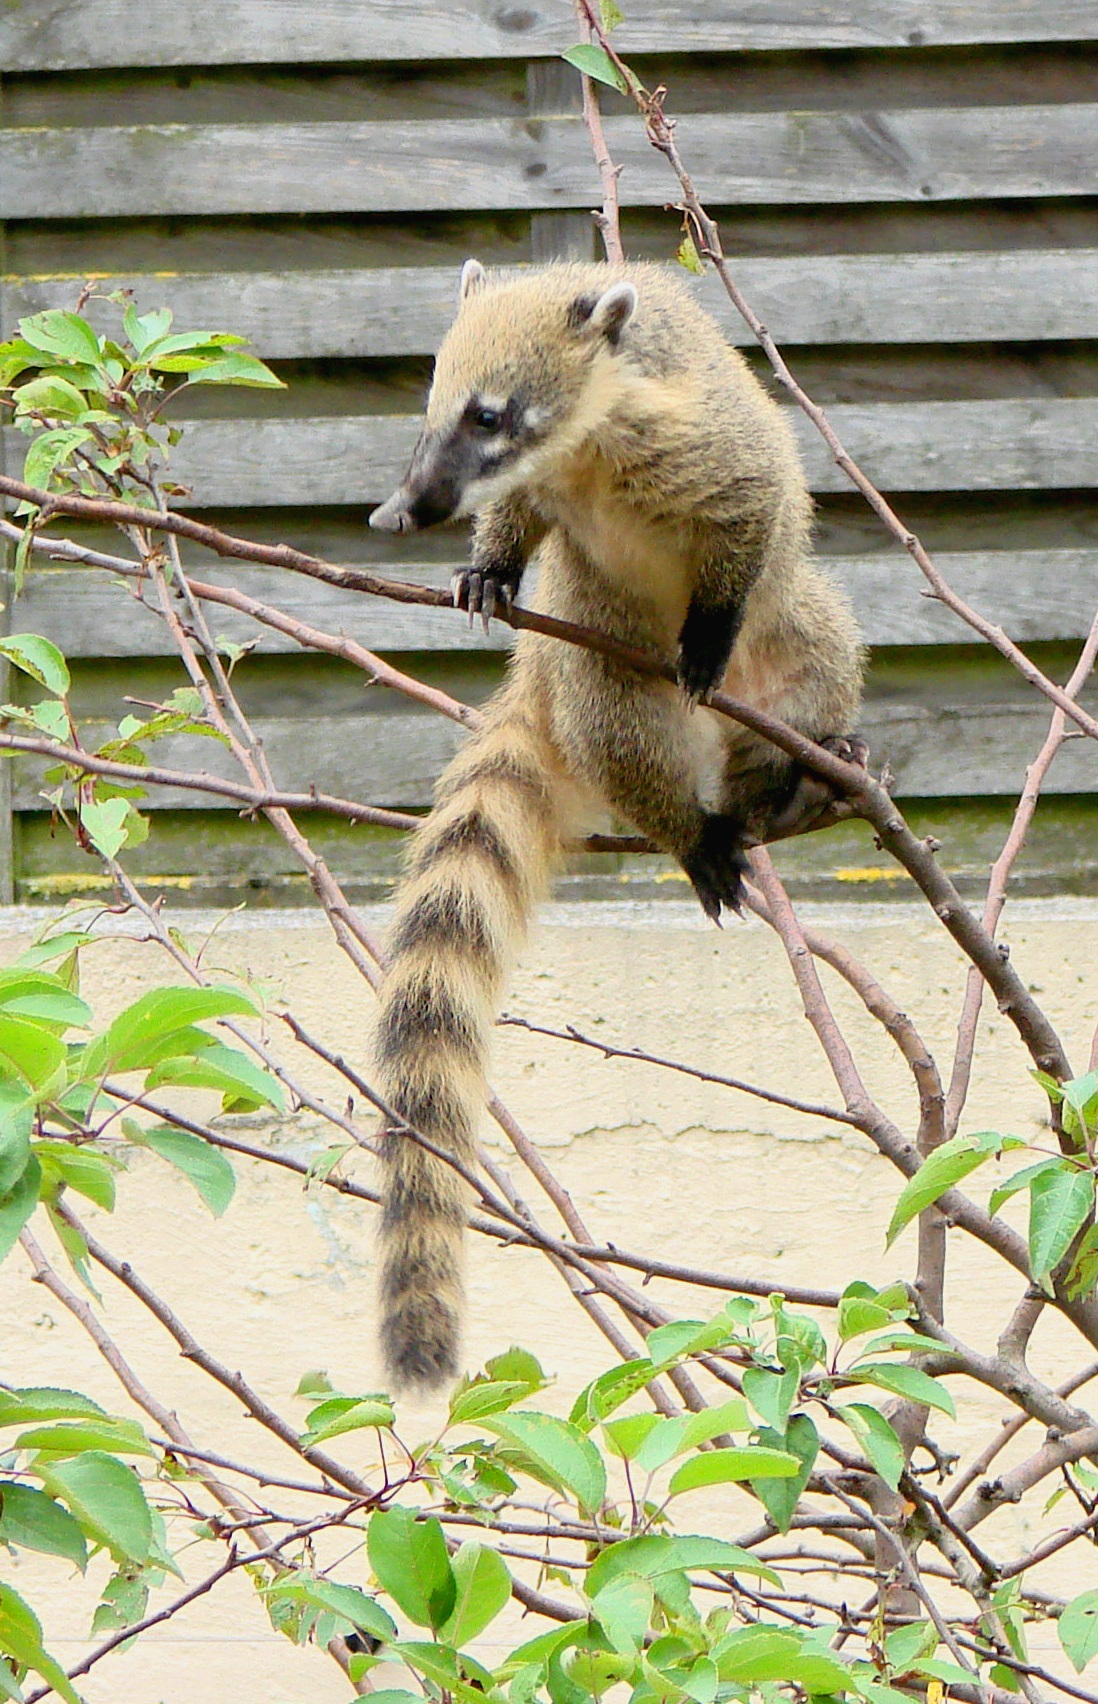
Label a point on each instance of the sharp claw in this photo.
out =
(457, 588)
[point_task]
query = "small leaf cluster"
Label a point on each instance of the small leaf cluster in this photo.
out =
(91, 403)
(1063, 1239)
(64, 1085)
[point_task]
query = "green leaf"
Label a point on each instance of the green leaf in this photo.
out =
(943, 1168)
(347, 1602)
(455, 1672)
(490, 1396)
(39, 994)
(30, 1054)
(904, 1381)
(347, 1414)
(60, 333)
(682, 1337)
(134, 1040)
(55, 396)
(877, 1438)
(719, 1467)
(687, 255)
(779, 1497)
(315, 1383)
(483, 1588)
(21, 1639)
(38, 658)
(626, 1436)
(16, 1124)
(656, 1554)
(1060, 1201)
(27, 1403)
(31, 1520)
(753, 1655)
(1078, 1630)
(203, 1165)
(410, 1560)
(17, 1206)
(76, 1249)
(143, 330)
(236, 370)
(105, 824)
(559, 1451)
(610, 1390)
(244, 1084)
(623, 1609)
(81, 1169)
(771, 1395)
(680, 1432)
(858, 1314)
(1020, 1180)
(50, 449)
(595, 62)
(73, 1437)
(906, 1645)
(107, 1499)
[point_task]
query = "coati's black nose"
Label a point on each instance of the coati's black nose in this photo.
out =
(395, 514)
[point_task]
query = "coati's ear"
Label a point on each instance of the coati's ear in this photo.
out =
(614, 309)
(473, 278)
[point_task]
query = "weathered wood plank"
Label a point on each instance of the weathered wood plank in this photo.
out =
(1026, 444)
(918, 155)
(77, 34)
(1033, 594)
(1024, 295)
(976, 747)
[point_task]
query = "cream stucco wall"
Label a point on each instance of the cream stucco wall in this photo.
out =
(656, 1162)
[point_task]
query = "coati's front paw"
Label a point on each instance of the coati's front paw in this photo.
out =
(717, 865)
(483, 593)
(705, 645)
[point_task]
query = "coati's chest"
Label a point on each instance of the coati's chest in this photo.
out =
(642, 557)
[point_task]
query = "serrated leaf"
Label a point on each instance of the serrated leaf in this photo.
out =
(104, 823)
(1078, 1630)
(623, 1609)
(347, 1414)
(687, 256)
(204, 1166)
(244, 1084)
(31, 1056)
(73, 1437)
(729, 1466)
(352, 1605)
(771, 1395)
(859, 1314)
(1060, 1201)
(561, 1453)
(34, 1521)
(60, 333)
(17, 1206)
(877, 1438)
(134, 1039)
(38, 658)
(905, 1381)
(779, 1497)
(681, 1337)
(595, 62)
(657, 1554)
(82, 1169)
(483, 1588)
(610, 1390)
(107, 1499)
(1019, 1181)
(53, 395)
(21, 1639)
(144, 330)
(490, 1396)
(411, 1562)
(941, 1169)
(236, 370)
(27, 1403)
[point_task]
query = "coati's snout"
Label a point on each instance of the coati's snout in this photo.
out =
(448, 462)
(508, 392)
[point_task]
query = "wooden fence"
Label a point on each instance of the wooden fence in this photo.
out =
(911, 195)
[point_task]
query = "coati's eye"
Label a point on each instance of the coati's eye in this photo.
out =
(485, 419)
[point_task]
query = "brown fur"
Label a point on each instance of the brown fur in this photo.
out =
(654, 480)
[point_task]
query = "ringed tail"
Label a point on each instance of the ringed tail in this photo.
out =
(475, 871)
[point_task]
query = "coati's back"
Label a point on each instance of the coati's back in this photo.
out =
(597, 414)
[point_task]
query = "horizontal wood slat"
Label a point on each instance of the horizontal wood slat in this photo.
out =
(1033, 594)
(439, 164)
(78, 34)
(1025, 295)
(921, 446)
(965, 746)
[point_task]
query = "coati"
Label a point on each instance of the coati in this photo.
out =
(594, 419)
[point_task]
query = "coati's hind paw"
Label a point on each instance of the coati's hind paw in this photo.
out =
(717, 865)
(811, 797)
(482, 593)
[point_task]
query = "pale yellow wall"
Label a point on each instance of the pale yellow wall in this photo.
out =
(284, 1281)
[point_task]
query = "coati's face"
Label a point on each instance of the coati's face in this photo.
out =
(516, 390)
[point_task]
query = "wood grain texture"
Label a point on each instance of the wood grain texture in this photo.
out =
(966, 745)
(1028, 444)
(920, 155)
(1033, 594)
(76, 34)
(1025, 295)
